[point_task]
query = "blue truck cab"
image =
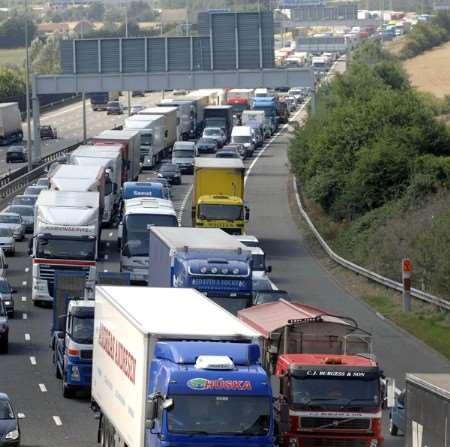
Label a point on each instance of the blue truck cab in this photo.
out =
(206, 259)
(131, 190)
(268, 104)
(216, 393)
(72, 345)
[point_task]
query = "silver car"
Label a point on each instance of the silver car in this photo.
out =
(24, 200)
(26, 212)
(15, 222)
(34, 190)
(7, 242)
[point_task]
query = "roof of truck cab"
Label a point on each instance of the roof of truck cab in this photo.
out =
(198, 238)
(149, 205)
(119, 135)
(140, 118)
(87, 149)
(267, 318)
(158, 110)
(76, 172)
(234, 163)
(68, 199)
(176, 313)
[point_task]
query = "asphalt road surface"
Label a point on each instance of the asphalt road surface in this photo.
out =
(27, 373)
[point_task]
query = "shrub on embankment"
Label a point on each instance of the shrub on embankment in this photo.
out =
(377, 161)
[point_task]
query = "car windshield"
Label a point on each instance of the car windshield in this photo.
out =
(334, 391)
(207, 141)
(9, 218)
(220, 212)
(33, 190)
(5, 232)
(136, 234)
(83, 329)
(146, 139)
(4, 287)
(227, 154)
(168, 168)
(54, 248)
(269, 296)
(24, 200)
(6, 411)
(259, 262)
(241, 139)
(22, 210)
(183, 153)
(16, 149)
(212, 132)
(224, 415)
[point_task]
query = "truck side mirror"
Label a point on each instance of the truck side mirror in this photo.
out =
(390, 392)
(269, 269)
(283, 424)
(247, 213)
(151, 410)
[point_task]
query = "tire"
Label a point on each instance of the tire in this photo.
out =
(67, 392)
(4, 346)
(393, 429)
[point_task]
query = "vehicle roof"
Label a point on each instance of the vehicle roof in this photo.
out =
(439, 383)
(68, 199)
(269, 317)
(187, 144)
(220, 163)
(3, 213)
(102, 151)
(198, 238)
(256, 250)
(214, 198)
(149, 205)
(15, 148)
(4, 396)
(119, 135)
(158, 110)
(77, 172)
(320, 359)
(81, 303)
(176, 313)
(246, 237)
(241, 130)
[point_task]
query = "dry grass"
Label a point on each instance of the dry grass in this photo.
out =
(395, 46)
(429, 72)
(13, 56)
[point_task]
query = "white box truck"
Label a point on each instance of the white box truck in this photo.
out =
(66, 237)
(151, 131)
(170, 364)
(10, 123)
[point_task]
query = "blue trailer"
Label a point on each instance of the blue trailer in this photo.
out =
(206, 259)
(172, 369)
(268, 104)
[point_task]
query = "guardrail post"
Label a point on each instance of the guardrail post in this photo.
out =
(406, 280)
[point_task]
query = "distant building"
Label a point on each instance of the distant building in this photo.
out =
(50, 28)
(173, 16)
(83, 27)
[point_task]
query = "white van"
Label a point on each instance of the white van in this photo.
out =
(183, 154)
(244, 135)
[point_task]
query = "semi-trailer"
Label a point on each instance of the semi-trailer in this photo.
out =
(10, 123)
(328, 384)
(171, 368)
(207, 259)
(219, 116)
(66, 237)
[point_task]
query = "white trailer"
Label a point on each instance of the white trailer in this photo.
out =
(66, 237)
(110, 158)
(10, 123)
(185, 116)
(129, 321)
(151, 131)
(170, 124)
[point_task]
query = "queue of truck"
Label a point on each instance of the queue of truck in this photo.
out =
(190, 356)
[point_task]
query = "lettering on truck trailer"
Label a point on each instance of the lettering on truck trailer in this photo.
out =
(118, 353)
(201, 384)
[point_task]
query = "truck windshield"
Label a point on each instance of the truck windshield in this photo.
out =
(335, 392)
(219, 415)
(268, 110)
(65, 248)
(188, 153)
(83, 329)
(259, 262)
(136, 234)
(241, 139)
(146, 139)
(220, 212)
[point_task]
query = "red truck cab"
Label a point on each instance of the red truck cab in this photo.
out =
(327, 385)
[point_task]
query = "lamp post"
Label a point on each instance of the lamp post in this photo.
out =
(27, 91)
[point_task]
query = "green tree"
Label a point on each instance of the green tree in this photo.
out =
(12, 32)
(12, 82)
(46, 55)
(96, 11)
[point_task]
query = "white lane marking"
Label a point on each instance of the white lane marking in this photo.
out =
(106, 257)
(379, 315)
(27, 337)
(24, 316)
(105, 271)
(21, 415)
(24, 283)
(33, 360)
(57, 420)
(43, 388)
(27, 269)
(24, 298)
(183, 204)
(108, 244)
(110, 234)
(62, 112)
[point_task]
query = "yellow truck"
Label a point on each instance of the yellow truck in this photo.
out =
(218, 194)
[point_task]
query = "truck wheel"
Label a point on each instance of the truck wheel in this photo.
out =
(393, 429)
(4, 346)
(67, 392)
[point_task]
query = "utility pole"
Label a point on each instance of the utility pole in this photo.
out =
(27, 91)
(126, 35)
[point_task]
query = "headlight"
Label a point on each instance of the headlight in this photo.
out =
(7, 303)
(374, 443)
(13, 434)
(160, 175)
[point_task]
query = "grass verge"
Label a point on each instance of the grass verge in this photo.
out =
(14, 56)
(430, 327)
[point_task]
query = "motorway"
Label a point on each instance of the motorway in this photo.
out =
(28, 375)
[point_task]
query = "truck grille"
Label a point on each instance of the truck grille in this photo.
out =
(86, 354)
(47, 273)
(334, 423)
(323, 442)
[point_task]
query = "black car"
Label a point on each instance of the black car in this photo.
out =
(4, 332)
(230, 152)
(170, 172)
(48, 132)
(207, 145)
(16, 154)
(9, 424)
